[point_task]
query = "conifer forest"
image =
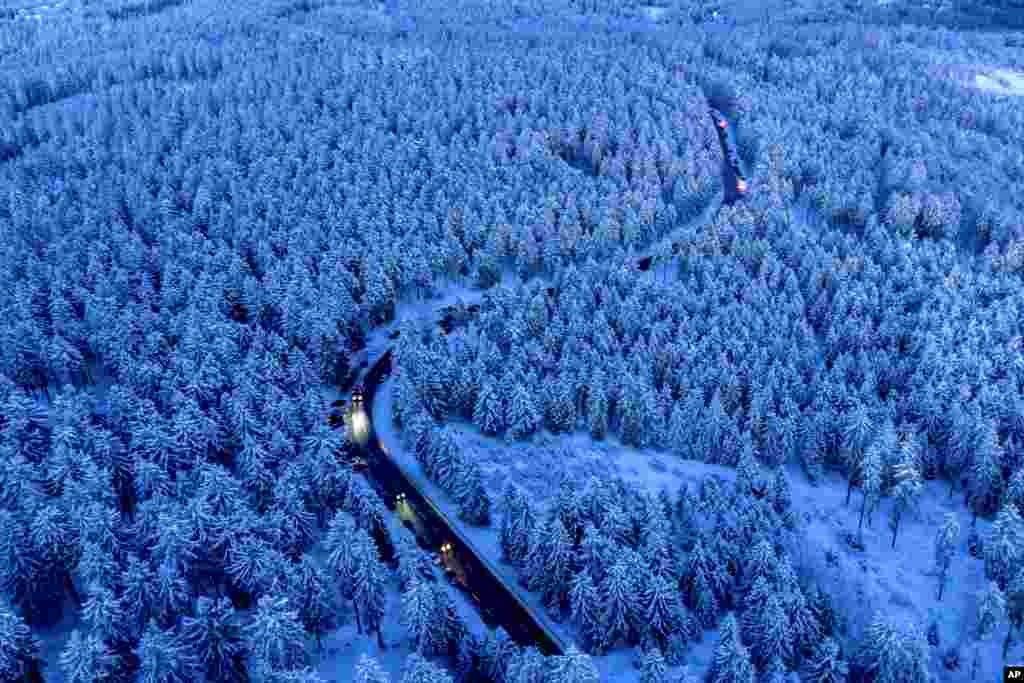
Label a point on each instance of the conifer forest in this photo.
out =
(511, 341)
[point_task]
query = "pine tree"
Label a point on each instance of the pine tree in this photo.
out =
(550, 566)
(986, 482)
(276, 636)
(991, 611)
(1014, 607)
(522, 416)
(419, 615)
(216, 638)
(858, 431)
(1004, 546)
(782, 498)
(945, 547)
(748, 471)
(19, 649)
(872, 477)
(413, 561)
(663, 610)
(489, 411)
(369, 577)
(620, 602)
(527, 666)
(573, 667)
(771, 634)
(164, 658)
(653, 668)
(906, 493)
(368, 670)
(585, 605)
(419, 670)
(731, 663)
(826, 665)
(509, 529)
(86, 659)
(597, 408)
(705, 602)
(893, 655)
(469, 491)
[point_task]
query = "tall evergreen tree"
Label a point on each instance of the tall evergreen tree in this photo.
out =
(276, 636)
(731, 663)
(368, 670)
(19, 649)
(906, 494)
(489, 411)
(1004, 546)
(945, 547)
(893, 655)
(826, 665)
(216, 638)
(585, 605)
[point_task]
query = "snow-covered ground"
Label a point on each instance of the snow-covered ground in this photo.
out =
(1001, 82)
(900, 582)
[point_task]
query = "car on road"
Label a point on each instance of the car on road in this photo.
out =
(358, 394)
(719, 120)
(741, 185)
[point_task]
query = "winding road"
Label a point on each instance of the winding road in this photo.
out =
(469, 567)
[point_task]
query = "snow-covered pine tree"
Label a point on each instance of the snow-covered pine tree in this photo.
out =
(510, 529)
(551, 563)
(585, 605)
(369, 670)
(19, 649)
(165, 658)
(1014, 607)
(663, 611)
(573, 667)
(489, 411)
(906, 492)
(770, 635)
(596, 552)
(945, 547)
(705, 603)
(216, 637)
(731, 663)
(86, 659)
(276, 636)
(620, 603)
(872, 485)
(419, 670)
(369, 578)
(748, 470)
(469, 491)
(893, 655)
(527, 666)
(986, 481)
(419, 615)
(858, 432)
(522, 417)
(1004, 547)
(413, 561)
(653, 668)
(447, 462)
(991, 611)
(825, 665)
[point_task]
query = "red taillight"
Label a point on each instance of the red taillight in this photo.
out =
(721, 124)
